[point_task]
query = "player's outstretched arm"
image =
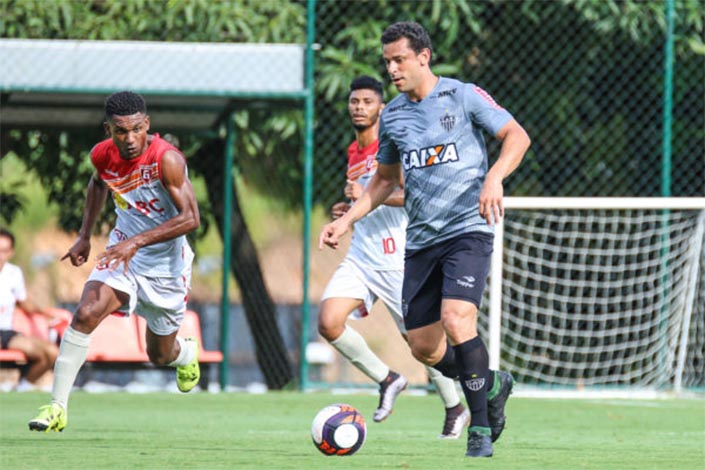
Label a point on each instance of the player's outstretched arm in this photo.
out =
(353, 191)
(96, 194)
(380, 187)
(515, 143)
(176, 182)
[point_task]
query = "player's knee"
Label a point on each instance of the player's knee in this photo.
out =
(420, 356)
(86, 319)
(329, 327)
(456, 323)
(423, 352)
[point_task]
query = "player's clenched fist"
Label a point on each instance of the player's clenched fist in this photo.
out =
(352, 190)
(491, 206)
(332, 233)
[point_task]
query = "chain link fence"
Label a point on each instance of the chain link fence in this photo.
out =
(586, 80)
(587, 84)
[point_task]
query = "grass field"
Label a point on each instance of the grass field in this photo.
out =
(155, 431)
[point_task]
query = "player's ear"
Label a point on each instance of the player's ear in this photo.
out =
(106, 126)
(425, 56)
(146, 122)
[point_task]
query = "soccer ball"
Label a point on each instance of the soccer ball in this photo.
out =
(338, 430)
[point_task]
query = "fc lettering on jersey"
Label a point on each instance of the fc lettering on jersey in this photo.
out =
(434, 155)
(143, 207)
(146, 207)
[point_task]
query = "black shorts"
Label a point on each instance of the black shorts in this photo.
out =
(452, 269)
(5, 337)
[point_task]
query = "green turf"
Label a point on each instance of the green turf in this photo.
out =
(272, 431)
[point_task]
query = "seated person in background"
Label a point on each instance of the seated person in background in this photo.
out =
(41, 354)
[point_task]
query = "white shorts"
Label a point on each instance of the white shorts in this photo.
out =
(351, 281)
(160, 300)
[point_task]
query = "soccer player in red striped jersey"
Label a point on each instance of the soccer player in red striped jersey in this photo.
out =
(147, 263)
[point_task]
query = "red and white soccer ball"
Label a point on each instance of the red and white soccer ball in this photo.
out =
(338, 430)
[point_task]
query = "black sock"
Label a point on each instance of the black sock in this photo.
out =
(447, 365)
(473, 364)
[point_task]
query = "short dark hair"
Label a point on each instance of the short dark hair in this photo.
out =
(124, 103)
(414, 32)
(365, 82)
(8, 234)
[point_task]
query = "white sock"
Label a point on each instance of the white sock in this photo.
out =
(445, 386)
(72, 355)
(353, 346)
(186, 354)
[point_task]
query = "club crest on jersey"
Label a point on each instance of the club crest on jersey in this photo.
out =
(434, 155)
(448, 122)
(371, 162)
(146, 174)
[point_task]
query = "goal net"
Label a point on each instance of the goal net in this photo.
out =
(591, 294)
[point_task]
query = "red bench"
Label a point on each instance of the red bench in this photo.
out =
(117, 340)
(28, 325)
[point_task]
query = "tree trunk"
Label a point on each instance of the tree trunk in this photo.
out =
(260, 311)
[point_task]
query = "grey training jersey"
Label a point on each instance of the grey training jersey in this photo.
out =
(443, 155)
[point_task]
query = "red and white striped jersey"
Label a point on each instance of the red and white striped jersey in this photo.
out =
(142, 203)
(379, 238)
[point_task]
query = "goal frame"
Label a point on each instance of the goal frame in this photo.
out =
(572, 203)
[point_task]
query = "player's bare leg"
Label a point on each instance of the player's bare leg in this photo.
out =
(97, 302)
(178, 352)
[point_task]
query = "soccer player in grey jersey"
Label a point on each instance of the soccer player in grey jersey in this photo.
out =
(433, 133)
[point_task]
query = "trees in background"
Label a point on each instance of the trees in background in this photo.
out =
(584, 77)
(58, 156)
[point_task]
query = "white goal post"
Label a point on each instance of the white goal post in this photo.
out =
(599, 293)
